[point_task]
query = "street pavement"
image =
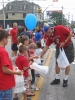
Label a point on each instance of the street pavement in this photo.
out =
(52, 92)
(57, 92)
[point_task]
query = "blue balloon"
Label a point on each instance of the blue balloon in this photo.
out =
(30, 21)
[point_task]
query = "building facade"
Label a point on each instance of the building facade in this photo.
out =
(16, 11)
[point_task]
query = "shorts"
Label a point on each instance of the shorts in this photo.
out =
(6, 94)
(69, 51)
(29, 77)
(14, 47)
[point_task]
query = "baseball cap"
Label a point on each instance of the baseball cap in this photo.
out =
(46, 28)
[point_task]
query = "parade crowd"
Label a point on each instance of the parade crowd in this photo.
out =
(27, 46)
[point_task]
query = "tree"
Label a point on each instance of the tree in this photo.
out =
(72, 25)
(57, 17)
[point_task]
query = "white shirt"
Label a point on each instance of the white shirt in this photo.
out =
(38, 51)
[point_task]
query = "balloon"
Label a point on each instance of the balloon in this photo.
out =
(30, 21)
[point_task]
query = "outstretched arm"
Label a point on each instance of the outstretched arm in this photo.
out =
(44, 51)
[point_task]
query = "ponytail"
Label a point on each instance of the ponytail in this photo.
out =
(22, 38)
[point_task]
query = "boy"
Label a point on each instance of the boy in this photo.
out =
(23, 64)
(6, 69)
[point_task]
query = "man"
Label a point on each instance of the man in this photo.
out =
(13, 34)
(61, 36)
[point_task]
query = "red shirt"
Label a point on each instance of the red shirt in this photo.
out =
(21, 62)
(58, 36)
(44, 36)
(13, 33)
(31, 52)
(6, 80)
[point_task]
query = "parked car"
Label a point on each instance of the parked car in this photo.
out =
(8, 29)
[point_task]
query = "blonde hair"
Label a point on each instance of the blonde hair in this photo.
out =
(32, 46)
(22, 48)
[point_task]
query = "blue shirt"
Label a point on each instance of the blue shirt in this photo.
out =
(25, 33)
(37, 37)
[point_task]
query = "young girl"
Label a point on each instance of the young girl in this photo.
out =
(38, 52)
(39, 49)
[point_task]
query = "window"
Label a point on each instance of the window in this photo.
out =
(21, 7)
(7, 7)
(34, 7)
(6, 15)
(24, 15)
(13, 13)
(24, 7)
(10, 7)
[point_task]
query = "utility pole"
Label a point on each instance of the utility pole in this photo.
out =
(44, 11)
(62, 15)
(3, 14)
(68, 17)
(72, 18)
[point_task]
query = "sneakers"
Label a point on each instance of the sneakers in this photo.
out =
(65, 83)
(35, 88)
(56, 81)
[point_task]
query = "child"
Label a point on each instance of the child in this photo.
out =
(6, 69)
(23, 64)
(39, 48)
(32, 48)
(38, 52)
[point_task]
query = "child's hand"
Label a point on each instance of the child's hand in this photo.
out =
(20, 72)
(36, 56)
(31, 62)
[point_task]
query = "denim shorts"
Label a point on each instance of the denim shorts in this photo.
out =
(6, 94)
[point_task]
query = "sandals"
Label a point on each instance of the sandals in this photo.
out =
(30, 94)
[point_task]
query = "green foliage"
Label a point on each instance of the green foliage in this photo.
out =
(72, 25)
(57, 17)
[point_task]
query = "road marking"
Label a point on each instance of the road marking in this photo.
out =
(41, 79)
(46, 55)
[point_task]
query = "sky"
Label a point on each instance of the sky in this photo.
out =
(68, 6)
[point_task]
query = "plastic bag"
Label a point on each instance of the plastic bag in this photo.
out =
(43, 70)
(37, 60)
(42, 42)
(62, 60)
(19, 80)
